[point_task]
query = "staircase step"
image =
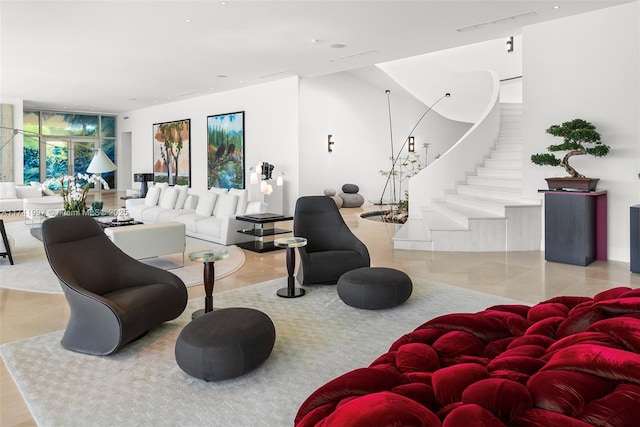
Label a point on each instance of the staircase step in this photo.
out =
(495, 206)
(510, 132)
(491, 192)
(413, 235)
(508, 146)
(506, 154)
(510, 139)
(494, 182)
(503, 163)
(491, 172)
(462, 214)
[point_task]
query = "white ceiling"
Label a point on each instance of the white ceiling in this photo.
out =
(115, 56)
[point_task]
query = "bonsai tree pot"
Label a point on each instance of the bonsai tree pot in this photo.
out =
(571, 183)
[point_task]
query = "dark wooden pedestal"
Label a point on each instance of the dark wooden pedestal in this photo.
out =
(575, 226)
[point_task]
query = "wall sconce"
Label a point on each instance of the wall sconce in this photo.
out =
(510, 44)
(330, 143)
(412, 144)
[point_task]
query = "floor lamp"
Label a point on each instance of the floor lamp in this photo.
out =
(100, 164)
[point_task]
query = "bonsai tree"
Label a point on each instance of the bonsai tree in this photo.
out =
(575, 134)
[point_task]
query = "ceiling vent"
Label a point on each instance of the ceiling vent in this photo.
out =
(353, 55)
(495, 22)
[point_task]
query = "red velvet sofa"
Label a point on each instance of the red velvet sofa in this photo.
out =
(565, 362)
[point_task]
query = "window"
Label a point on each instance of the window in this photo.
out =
(68, 142)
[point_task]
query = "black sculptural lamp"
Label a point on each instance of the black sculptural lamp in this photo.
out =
(143, 178)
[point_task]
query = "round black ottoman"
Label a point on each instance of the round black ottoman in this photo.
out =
(225, 343)
(374, 288)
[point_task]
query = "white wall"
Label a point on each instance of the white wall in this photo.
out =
(271, 131)
(587, 66)
(356, 113)
(18, 147)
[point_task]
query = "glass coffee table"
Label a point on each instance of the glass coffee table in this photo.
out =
(208, 257)
(290, 243)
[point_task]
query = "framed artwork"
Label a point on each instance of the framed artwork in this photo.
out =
(225, 150)
(172, 152)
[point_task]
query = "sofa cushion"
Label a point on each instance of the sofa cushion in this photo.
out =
(183, 192)
(152, 197)
(152, 214)
(28, 192)
(190, 220)
(217, 190)
(168, 200)
(243, 195)
(206, 203)
(211, 226)
(8, 190)
(168, 215)
(163, 187)
(226, 205)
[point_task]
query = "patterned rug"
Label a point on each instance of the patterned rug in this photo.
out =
(31, 271)
(317, 338)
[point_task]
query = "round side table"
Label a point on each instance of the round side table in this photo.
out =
(290, 243)
(208, 257)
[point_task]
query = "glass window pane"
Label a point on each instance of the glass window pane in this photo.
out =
(31, 159)
(82, 155)
(69, 124)
(107, 126)
(109, 148)
(57, 159)
(31, 122)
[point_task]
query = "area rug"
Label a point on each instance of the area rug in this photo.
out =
(317, 338)
(31, 271)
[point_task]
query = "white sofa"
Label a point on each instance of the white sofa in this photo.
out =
(12, 195)
(209, 215)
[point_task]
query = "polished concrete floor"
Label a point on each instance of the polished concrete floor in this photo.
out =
(524, 276)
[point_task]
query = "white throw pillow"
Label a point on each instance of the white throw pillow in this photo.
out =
(163, 187)
(243, 195)
(217, 190)
(46, 191)
(153, 194)
(205, 204)
(8, 190)
(226, 205)
(169, 198)
(183, 192)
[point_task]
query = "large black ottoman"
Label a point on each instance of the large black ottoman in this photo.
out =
(374, 288)
(225, 343)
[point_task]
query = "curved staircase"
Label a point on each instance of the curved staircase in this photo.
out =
(485, 213)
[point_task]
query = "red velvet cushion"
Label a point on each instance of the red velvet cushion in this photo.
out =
(471, 416)
(504, 398)
(381, 409)
(355, 383)
(541, 418)
(625, 330)
(549, 309)
(449, 383)
(610, 363)
(566, 392)
(577, 365)
(456, 343)
(484, 327)
(417, 357)
(618, 409)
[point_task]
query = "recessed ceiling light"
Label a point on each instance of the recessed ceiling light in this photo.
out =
(224, 3)
(338, 45)
(314, 41)
(188, 20)
(556, 7)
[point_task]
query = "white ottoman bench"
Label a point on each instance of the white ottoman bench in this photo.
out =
(149, 240)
